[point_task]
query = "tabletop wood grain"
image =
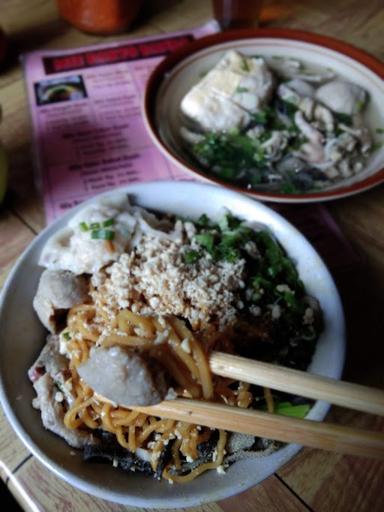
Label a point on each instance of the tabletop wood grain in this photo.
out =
(314, 480)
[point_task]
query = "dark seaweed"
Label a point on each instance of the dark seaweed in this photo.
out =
(205, 450)
(164, 458)
(107, 449)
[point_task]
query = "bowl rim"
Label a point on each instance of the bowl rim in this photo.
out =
(159, 75)
(286, 453)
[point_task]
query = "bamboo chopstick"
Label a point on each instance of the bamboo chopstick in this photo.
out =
(309, 385)
(326, 436)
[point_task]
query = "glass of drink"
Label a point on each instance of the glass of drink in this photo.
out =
(237, 13)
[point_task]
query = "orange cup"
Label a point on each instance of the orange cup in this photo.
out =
(102, 17)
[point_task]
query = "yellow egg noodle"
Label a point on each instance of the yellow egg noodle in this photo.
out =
(190, 371)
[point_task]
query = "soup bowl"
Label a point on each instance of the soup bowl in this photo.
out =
(179, 72)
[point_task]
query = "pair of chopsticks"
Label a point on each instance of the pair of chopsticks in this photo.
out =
(326, 436)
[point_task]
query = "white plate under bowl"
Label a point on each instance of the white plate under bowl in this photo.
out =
(22, 337)
(174, 77)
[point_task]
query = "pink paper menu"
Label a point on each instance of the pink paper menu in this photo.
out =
(85, 105)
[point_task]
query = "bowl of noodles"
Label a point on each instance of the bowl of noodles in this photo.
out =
(123, 299)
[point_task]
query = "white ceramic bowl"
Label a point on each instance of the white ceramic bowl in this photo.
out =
(22, 336)
(175, 76)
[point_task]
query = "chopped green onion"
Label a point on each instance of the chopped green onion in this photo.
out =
(233, 131)
(290, 107)
(244, 65)
(109, 222)
(95, 225)
(191, 256)
(240, 90)
(289, 188)
(84, 226)
(102, 234)
(259, 155)
(231, 254)
(291, 100)
(292, 302)
(206, 240)
(228, 222)
(66, 336)
(203, 221)
(343, 118)
(262, 117)
(227, 173)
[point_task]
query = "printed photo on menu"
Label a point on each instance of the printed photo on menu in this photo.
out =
(68, 88)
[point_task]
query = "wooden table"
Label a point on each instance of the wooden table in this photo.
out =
(314, 480)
